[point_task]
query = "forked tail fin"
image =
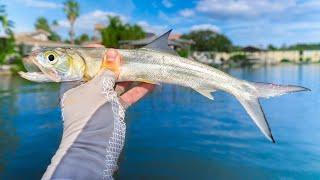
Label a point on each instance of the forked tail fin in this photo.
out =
(262, 90)
(266, 90)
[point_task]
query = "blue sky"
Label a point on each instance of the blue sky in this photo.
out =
(245, 22)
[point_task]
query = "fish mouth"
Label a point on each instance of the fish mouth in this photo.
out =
(36, 72)
(35, 76)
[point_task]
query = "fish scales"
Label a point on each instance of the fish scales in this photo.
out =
(155, 63)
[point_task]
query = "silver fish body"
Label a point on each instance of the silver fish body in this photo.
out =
(157, 67)
(166, 68)
(152, 66)
(155, 64)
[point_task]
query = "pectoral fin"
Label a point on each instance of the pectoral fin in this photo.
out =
(206, 92)
(147, 81)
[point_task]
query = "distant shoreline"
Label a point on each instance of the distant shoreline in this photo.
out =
(5, 70)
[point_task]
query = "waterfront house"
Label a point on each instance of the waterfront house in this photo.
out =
(30, 41)
(260, 57)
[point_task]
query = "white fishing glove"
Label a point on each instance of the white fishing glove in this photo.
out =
(93, 131)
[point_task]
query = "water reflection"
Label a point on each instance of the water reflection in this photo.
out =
(21, 102)
(212, 139)
(5, 82)
(8, 143)
(176, 133)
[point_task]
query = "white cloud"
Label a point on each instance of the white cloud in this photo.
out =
(311, 4)
(167, 3)
(276, 33)
(86, 22)
(41, 4)
(186, 13)
(243, 8)
(170, 19)
(205, 27)
(256, 22)
(158, 29)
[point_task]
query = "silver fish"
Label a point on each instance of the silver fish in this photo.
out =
(155, 63)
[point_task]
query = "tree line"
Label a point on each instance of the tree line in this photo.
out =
(116, 30)
(208, 40)
(297, 47)
(205, 40)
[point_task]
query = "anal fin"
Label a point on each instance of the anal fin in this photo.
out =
(206, 92)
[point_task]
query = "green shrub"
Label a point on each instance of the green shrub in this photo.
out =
(240, 60)
(238, 57)
(183, 53)
(307, 60)
(117, 31)
(285, 60)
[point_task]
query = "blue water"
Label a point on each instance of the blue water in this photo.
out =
(175, 133)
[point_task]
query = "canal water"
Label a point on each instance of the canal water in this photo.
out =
(175, 133)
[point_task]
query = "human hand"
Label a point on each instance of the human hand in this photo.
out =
(128, 96)
(92, 116)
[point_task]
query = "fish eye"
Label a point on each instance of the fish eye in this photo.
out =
(51, 57)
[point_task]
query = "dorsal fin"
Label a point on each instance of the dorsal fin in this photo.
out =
(161, 44)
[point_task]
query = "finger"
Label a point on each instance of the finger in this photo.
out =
(121, 87)
(112, 61)
(136, 93)
(94, 45)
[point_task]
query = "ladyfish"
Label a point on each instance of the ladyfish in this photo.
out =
(155, 63)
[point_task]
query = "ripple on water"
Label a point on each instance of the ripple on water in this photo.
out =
(175, 133)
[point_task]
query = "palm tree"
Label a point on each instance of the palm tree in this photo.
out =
(71, 8)
(5, 22)
(117, 31)
(43, 24)
(8, 46)
(55, 24)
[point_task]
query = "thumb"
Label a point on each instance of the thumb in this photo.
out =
(112, 61)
